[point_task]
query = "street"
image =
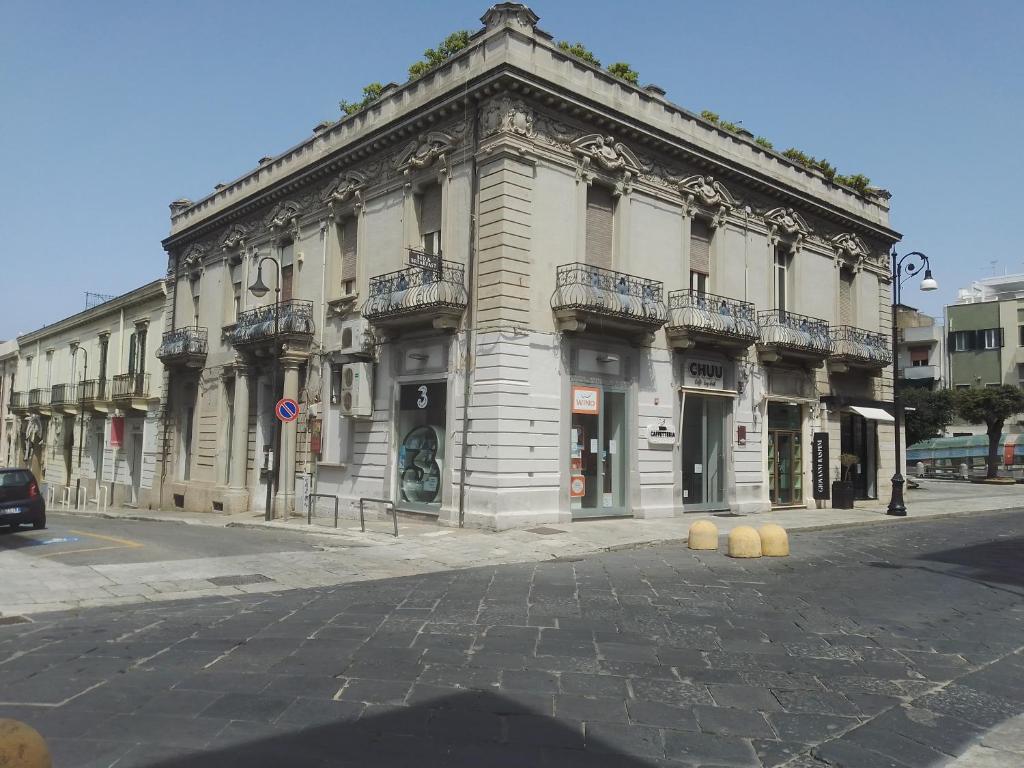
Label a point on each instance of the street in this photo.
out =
(871, 646)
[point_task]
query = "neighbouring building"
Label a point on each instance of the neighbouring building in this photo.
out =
(8, 366)
(985, 343)
(85, 408)
(920, 349)
(519, 290)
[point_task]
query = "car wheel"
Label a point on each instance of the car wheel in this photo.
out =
(14, 526)
(39, 524)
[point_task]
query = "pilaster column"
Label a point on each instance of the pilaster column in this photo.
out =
(289, 434)
(240, 427)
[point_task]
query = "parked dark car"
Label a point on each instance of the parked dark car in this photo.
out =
(20, 499)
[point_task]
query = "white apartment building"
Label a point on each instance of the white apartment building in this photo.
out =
(85, 405)
(519, 290)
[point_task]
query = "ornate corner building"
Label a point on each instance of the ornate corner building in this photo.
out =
(518, 290)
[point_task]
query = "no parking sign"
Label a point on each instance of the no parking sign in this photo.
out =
(287, 409)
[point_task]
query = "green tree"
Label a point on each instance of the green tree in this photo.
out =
(580, 51)
(932, 412)
(371, 93)
(991, 407)
(623, 71)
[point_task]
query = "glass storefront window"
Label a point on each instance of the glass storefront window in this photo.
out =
(421, 450)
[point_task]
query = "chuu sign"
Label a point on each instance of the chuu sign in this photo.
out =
(819, 465)
(703, 373)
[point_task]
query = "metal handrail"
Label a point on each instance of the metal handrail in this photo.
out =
(386, 502)
(62, 393)
(605, 291)
(19, 400)
(130, 385)
(690, 308)
(92, 389)
(850, 341)
(789, 329)
(293, 317)
(309, 506)
(38, 397)
(187, 340)
(429, 282)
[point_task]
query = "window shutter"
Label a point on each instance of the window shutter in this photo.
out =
(131, 355)
(845, 297)
(700, 246)
(348, 249)
(287, 254)
(141, 362)
(430, 210)
(999, 337)
(599, 226)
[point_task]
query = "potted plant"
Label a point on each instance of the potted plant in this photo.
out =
(842, 489)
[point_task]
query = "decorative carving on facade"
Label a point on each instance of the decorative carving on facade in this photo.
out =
(193, 256)
(507, 116)
(234, 237)
(786, 222)
(708, 193)
(348, 186)
(514, 14)
(605, 153)
(849, 247)
(284, 214)
(425, 152)
(554, 132)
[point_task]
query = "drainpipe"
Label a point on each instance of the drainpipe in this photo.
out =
(470, 315)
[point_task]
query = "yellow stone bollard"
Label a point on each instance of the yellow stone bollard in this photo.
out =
(744, 542)
(21, 746)
(774, 540)
(703, 535)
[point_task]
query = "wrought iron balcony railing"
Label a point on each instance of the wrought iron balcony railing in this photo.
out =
(187, 342)
(93, 390)
(859, 346)
(430, 285)
(38, 398)
(800, 333)
(715, 316)
(19, 400)
(130, 385)
(62, 394)
(586, 288)
(288, 318)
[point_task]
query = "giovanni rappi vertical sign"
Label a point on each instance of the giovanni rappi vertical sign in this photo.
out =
(819, 465)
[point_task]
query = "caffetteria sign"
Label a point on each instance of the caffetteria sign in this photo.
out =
(703, 373)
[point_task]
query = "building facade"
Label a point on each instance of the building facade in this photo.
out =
(986, 333)
(8, 368)
(519, 290)
(920, 349)
(85, 405)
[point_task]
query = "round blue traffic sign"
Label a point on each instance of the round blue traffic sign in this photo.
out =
(287, 409)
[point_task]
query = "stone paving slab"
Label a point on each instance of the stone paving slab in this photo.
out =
(867, 647)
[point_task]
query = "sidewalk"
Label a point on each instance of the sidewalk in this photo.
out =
(346, 555)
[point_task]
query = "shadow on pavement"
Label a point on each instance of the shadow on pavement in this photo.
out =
(474, 728)
(1000, 561)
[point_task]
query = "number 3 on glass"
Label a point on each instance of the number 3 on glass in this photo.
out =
(421, 401)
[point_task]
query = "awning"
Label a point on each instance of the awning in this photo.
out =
(877, 414)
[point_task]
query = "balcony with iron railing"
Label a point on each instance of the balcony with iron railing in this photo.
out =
(790, 336)
(858, 348)
(598, 300)
(290, 321)
(704, 319)
(63, 394)
(39, 398)
(186, 347)
(430, 291)
(130, 386)
(93, 392)
(19, 401)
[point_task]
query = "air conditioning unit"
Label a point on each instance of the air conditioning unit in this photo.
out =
(356, 389)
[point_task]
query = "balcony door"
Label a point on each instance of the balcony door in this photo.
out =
(599, 452)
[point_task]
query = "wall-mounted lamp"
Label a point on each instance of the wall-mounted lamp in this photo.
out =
(607, 358)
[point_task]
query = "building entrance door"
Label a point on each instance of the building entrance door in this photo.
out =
(785, 455)
(599, 451)
(703, 449)
(858, 437)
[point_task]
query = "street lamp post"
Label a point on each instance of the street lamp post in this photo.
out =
(259, 289)
(81, 416)
(901, 273)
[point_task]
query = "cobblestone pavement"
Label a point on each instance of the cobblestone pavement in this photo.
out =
(885, 646)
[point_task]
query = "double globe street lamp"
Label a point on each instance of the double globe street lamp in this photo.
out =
(916, 261)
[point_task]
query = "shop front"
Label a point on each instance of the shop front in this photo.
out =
(706, 406)
(599, 451)
(858, 433)
(785, 454)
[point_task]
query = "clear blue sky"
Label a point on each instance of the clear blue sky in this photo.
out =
(111, 109)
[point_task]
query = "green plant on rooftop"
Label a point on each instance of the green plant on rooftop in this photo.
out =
(371, 93)
(623, 71)
(857, 181)
(711, 117)
(580, 51)
(435, 57)
(762, 141)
